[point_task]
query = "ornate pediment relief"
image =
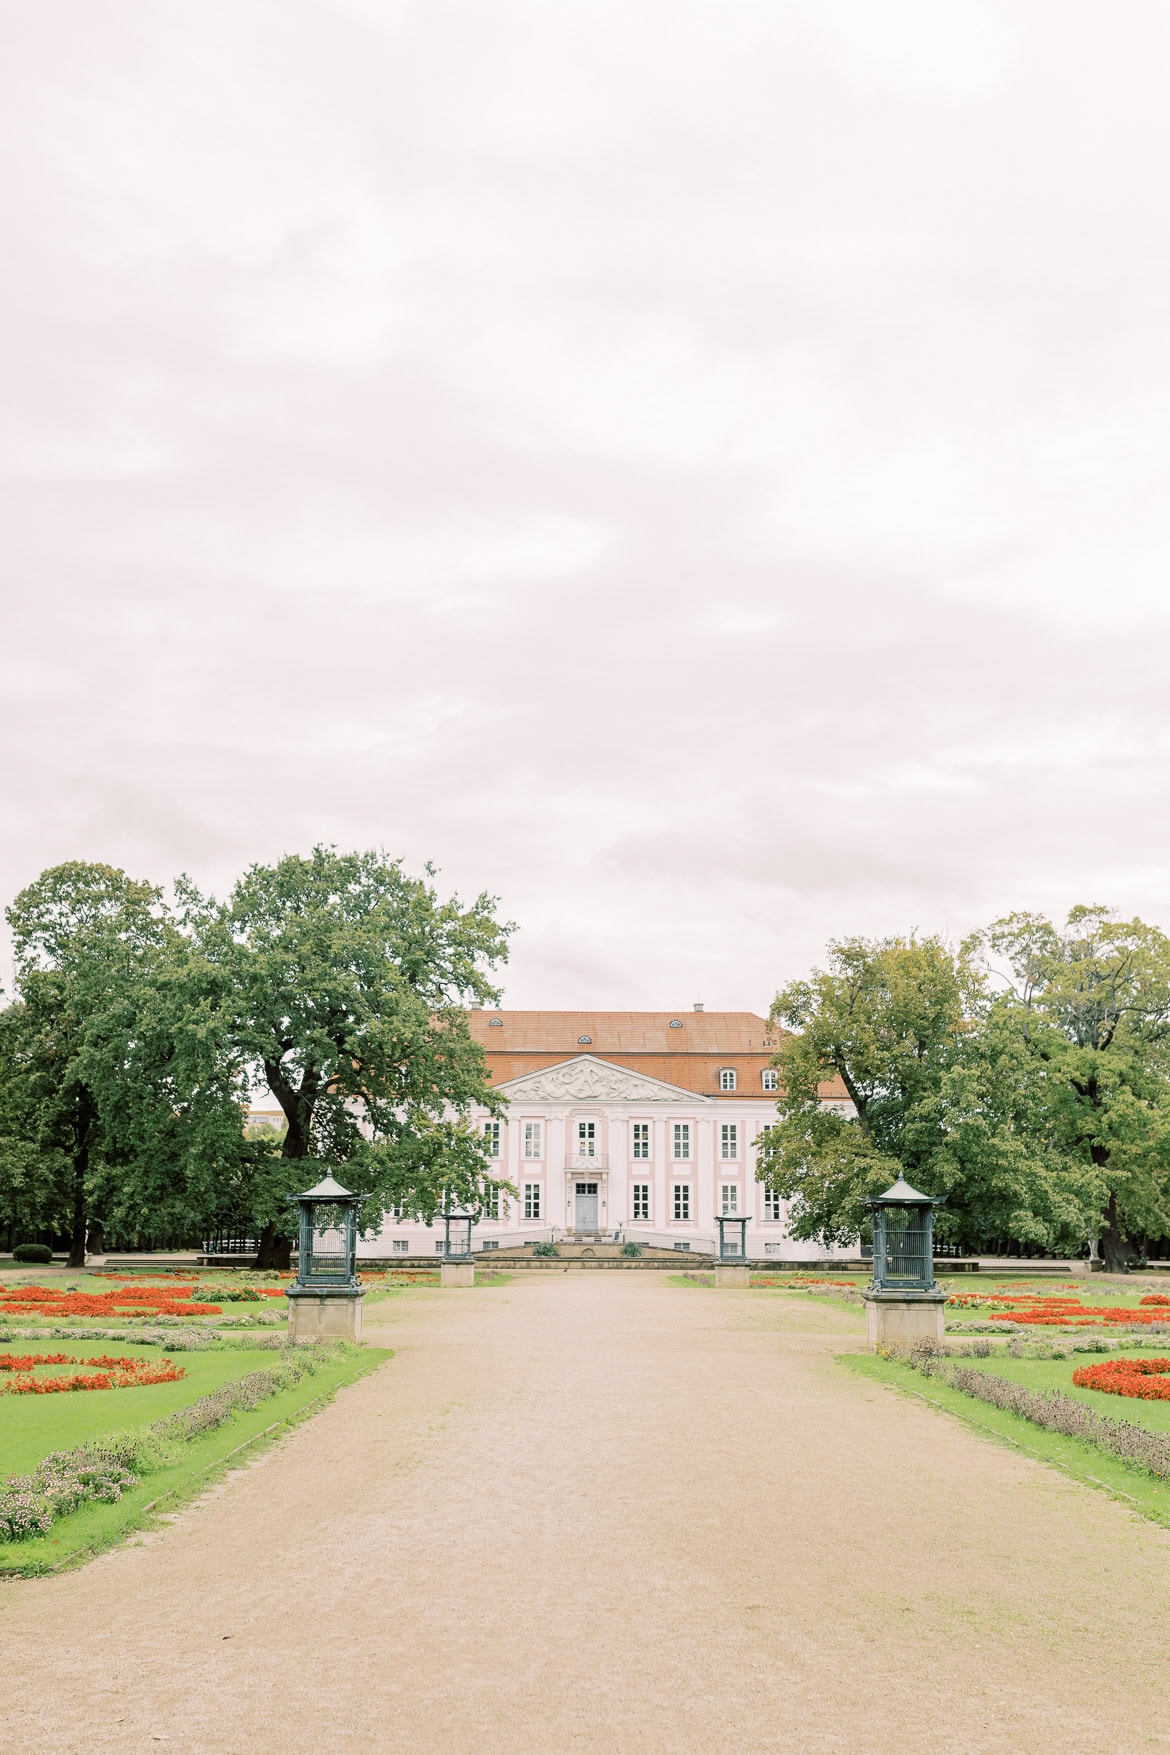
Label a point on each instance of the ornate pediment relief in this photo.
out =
(589, 1080)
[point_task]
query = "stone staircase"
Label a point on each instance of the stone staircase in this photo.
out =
(584, 1253)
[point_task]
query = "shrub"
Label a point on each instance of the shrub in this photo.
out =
(546, 1249)
(38, 1252)
(633, 1250)
(65, 1480)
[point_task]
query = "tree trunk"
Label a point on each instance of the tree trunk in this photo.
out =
(274, 1253)
(1115, 1249)
(77, 1235)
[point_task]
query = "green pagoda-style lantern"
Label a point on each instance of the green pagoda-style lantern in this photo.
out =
(904, 1304)
(731, 1263)
(458, 1264)
(325, 1300)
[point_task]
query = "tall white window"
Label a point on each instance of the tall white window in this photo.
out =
(490, 1203)
(773, 1205)
(641, 1139)
(682, 1200)
(730, 1194)
(532, 1139)
(491, 1135)
(682, 1139)
(729, 1139)
(770, 1079)
(532, 1200)
(586, 1139)
(641, 1200)
(727, 1079)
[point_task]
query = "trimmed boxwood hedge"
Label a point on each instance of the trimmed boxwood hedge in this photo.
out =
(39, 1252)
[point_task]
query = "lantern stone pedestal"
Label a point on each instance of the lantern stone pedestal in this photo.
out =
(903, 1303)
(898, 1319)
(332, 1315)
(731, 1266)
(325, 1301)
(457, 1273)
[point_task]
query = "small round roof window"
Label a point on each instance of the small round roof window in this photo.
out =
(582, 1040)
(495, 1023)
(676, 1023)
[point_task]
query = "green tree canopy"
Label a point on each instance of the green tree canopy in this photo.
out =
(1088, 1008)
(87, 942)
(885, 1017)
(341, 984)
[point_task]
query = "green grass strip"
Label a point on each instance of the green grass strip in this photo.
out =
(1084, 1462)
(94, 1528)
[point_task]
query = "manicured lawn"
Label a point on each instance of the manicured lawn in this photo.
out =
(96, 1527)
(1042, 1374)
(33, 1425)
(1083, 1461)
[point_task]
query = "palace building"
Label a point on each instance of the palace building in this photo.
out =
(633, 1125)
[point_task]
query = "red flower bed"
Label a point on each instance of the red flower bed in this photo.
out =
(125, 1301)
(1048, 1310)
(1157, 1298)
(118, 1372)
(1144, 1379)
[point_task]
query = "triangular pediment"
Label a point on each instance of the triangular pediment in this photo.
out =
(588, 1079)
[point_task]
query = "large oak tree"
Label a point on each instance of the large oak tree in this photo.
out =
(341, 984)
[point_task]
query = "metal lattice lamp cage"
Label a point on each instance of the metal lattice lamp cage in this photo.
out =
(328, 1216)
(732, 1237)
(903, 1239)
(457, 1236)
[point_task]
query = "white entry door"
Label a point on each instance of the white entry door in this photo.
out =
(585, 1218)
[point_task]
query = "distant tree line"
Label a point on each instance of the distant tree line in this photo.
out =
(1024, 1074)
(140, 1026)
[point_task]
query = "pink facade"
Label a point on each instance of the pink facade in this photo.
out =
(596, 1148)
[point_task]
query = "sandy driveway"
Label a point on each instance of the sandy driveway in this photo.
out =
(601, 1512)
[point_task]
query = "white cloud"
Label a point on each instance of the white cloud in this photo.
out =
(699, 473)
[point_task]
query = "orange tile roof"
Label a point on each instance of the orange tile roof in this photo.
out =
(691, 1056)
(625, 1032)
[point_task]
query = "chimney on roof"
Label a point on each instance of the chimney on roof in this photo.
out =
(698, 1005)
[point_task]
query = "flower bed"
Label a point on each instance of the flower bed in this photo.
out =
(1049, 1310)
(1136, 1445)
(1143, 1379)
(125, 1301)
(117, 1372)
(101, 1470)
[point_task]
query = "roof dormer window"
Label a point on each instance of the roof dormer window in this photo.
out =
(727, 1079)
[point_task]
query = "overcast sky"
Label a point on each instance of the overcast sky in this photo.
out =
(700, 472)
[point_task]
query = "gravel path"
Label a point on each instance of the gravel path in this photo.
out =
(601, 1512)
